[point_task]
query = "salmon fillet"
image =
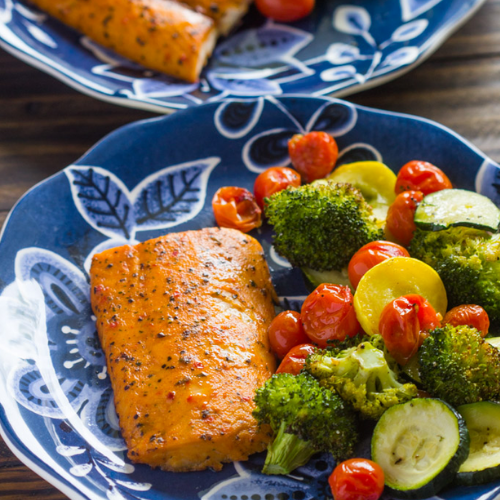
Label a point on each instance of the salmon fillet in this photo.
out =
(226, 13)
(162, 35)
(183, 321)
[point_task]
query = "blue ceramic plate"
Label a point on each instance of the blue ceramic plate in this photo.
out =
(344, 47)
(142, 181)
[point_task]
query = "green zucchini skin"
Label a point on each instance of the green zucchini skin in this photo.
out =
(448, 473)
(457, 207)
(478, 477)
(472, 478)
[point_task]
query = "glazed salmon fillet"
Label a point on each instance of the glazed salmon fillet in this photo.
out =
(159, 34)
(183, 321)
(226, 13)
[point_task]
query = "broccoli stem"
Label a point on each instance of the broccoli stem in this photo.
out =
(286, 453)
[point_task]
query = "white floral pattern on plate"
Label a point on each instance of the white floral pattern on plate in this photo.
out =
(343, 48)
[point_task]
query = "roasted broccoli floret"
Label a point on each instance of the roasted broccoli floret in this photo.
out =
(335, 346)
(468, 262)
(458, 366)
(362, 376)
(321, 225)
(306, 418)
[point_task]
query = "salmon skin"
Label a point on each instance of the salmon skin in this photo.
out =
(162, 35)
(183, 321)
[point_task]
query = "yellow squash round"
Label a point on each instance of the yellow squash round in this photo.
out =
(375, 180)
(394, 278)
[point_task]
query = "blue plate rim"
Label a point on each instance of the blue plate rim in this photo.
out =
(168, 107)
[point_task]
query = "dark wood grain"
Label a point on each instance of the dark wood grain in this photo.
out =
(44, 126)
(479, 37)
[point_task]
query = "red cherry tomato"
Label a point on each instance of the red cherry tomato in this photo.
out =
(272, 181)
(236, 208)
(285, 11)
(357, 479)
(328, 314)
(469, 315)
(404, 324)
(370, 255)
(400, 217)
(295, 360)
(421, 176)
(286, 331)
(313, 155)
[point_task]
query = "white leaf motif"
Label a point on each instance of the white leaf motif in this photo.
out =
(339, 73)
(149, 87)
(256, 152)
(237, 87)
(63, 284)
(103, 54)
(351, 19)
(134, 486)
(341, 53)
(235, 119)
(260, 47)
(410, 31)
(29, 13)
(173, 195)
(102, 199)
(40, 35)
(81, 470)
(401, 57)
(70, 451)
(411, 9)
(6, 12)
(281, 261)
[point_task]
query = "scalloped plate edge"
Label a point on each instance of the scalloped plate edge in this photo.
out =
(433, 45)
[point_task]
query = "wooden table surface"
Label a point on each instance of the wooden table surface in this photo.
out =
(45, 126)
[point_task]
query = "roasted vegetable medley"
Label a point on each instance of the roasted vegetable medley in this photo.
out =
(398, 330)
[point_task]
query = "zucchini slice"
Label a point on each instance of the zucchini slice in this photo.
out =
(316, 278)
(375, 180)
(494, 341)
(420, 446)
(457, 207)
(483, 463)
(392, 279)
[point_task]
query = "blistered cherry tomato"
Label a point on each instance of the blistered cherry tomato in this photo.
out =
(369, 256)
(357, 479)
(285, 11)
(421, 176)
(313, 155)
(236, 208)
(286, 331)
(400, 222)
(469, 315)
(272, 181)
(328, 314)
(404, 324)
(295, 360)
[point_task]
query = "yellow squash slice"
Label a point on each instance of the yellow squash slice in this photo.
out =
(394, 278)
(375, 180)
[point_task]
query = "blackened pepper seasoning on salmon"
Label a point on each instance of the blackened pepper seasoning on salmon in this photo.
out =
(183, 321)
